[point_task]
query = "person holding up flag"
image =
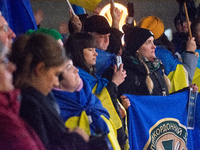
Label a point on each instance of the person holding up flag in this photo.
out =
(174, 68)
(100, 29)
(144, 93)
(145, 72)
(182, 22)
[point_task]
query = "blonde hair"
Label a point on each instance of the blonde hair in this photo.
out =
(149, 82)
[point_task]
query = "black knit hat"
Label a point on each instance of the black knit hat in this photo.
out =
(97, 24)
(134, 38)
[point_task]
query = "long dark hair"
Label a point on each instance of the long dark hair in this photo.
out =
(75, 45)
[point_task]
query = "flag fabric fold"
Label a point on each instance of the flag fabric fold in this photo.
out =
(98, 86)
(78, 10)
(196, 78)
(104, 61)
(87, 4)
(19, 15)
(82, 108)
(74, 104)
(174, 69)
(160, 122)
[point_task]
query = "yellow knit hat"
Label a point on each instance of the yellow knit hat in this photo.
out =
(154, 24)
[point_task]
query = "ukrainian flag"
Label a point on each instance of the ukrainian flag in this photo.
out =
(174, 69)
(98, 86)
(85, 110)
(87, 4)
(196, 78)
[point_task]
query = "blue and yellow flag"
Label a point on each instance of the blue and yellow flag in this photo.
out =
(160, 122)
(19, 15)
(196, 78)
(98, 86)
(83, 109)
(87, 4)
(174, 69)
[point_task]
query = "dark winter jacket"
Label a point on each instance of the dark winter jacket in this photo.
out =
(135, 82)
(38, 111)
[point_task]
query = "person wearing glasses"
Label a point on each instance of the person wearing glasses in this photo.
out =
(15, 132)
(6, 34)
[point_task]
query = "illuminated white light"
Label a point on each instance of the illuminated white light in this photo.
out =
(106, 13)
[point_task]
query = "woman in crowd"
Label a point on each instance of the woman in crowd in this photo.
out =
(41, 62)
(15, 132)
(187, 61)
(82, 48)
(145, 73)
(143, 69)
(80, 107)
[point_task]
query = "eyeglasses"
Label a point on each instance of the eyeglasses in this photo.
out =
(5, 28)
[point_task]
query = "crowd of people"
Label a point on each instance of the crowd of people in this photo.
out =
(68, 94)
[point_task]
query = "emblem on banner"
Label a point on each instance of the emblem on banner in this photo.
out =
(167, 134)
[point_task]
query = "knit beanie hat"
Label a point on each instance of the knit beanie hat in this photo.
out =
(134, 38)
(52, 32)
(154, 24)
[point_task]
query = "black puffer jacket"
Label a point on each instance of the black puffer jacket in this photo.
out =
(135, 82)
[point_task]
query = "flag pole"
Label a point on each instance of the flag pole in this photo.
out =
(188, 24)
(70, 6)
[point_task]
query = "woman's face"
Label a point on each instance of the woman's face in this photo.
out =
(90, 56)
(6, 78)
(71, 79)
(48, 79)
(147, 49)
(197, 34)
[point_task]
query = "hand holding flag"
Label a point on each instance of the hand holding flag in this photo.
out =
(75, 22)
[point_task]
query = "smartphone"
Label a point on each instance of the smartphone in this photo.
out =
(118, 61)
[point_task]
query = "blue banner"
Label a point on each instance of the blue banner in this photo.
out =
(19, 15)
(160, 122)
